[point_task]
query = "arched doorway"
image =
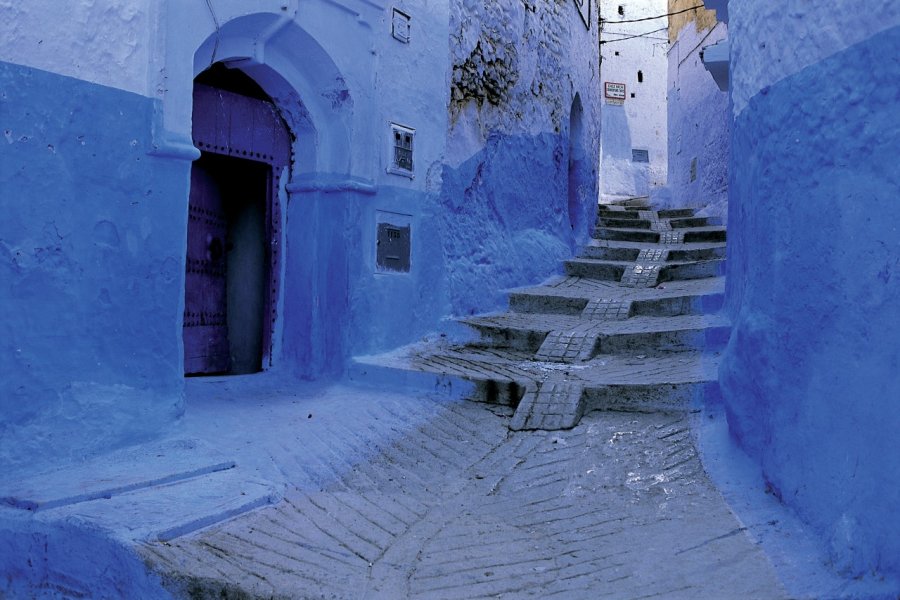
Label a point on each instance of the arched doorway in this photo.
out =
(577, 164)
(234, 226)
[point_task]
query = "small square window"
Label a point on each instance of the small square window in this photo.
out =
(632, 94)
(641, 156)
(617, 52)
(622, 10)
(401, 150)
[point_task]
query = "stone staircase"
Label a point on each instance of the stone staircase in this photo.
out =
(632, 325)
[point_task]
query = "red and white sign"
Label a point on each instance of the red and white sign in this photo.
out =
(615, 91)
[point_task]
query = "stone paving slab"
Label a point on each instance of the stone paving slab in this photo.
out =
(576, 287)
(549, 406)
(601, 370)
(569, 345)
(595, 243)
(167, 511)
(643, 275)
(602, 309)
(546, 323)
(670, 238)
(115, 473)
(618, 507)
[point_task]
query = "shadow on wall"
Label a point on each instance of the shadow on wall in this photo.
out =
(71, 560)
(506, 218)
(580, 186)
(620, 177)
(810, 376)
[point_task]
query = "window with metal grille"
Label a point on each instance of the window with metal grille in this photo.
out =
(641, 156)
(401, 150)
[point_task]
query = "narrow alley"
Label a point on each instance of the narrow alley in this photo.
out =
(370, 300)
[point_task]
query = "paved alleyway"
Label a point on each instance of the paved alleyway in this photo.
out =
(460, 507)
(538, 493)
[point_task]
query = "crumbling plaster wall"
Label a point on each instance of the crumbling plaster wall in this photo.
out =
(810, 376)
(516, 68)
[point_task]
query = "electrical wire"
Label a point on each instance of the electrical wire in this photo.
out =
(677, 12)
(212, 58)
(631, 37)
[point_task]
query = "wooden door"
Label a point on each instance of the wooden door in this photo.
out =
(205, 301)
(249, 130)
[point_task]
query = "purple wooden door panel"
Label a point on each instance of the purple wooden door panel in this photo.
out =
(228, 124)
(205, 328)
(239, 126)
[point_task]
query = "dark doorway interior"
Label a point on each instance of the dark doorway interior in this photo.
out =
(228, 266)
(234, 230)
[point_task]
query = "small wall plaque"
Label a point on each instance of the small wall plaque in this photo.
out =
(400, 26)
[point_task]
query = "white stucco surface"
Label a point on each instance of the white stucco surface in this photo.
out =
(640, 123)
(699, 126)
(101, 41)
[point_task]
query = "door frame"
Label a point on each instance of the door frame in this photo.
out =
(230, 124)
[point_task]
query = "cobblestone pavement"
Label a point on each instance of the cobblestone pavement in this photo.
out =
(459, 506)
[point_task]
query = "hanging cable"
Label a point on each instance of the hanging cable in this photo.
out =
(212, 59)
(631, 37)
(677, 12)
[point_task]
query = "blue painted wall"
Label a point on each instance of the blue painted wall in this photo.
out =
(69, 560)
(499, 220)
(504, 221)
(699, 127)
(811, 376)
(91, 268)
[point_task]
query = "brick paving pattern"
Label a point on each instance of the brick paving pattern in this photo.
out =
(582, 480)
(618, 507)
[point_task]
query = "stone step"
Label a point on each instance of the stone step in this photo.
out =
(628, 235)
(638, 335)
(115, 473)
(622, 254)
(618, 214)
(704, 234)
(596, 269)
(571, 295)
(630, 251)
(633, 325)
(689, 222)
(670, 382)
(678, 271)
(702, 252)
(164, 512)
(623, 223)
(674, 213)
(668, 271)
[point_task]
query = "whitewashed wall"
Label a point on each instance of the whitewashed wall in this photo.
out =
(641, 122)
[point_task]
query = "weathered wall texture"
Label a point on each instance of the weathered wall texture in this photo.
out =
(640, 122)
(701, 19)
(810, 377)
(102, 41)
(91, 265)
(95, 107)
(506, 213)
(699, 123)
